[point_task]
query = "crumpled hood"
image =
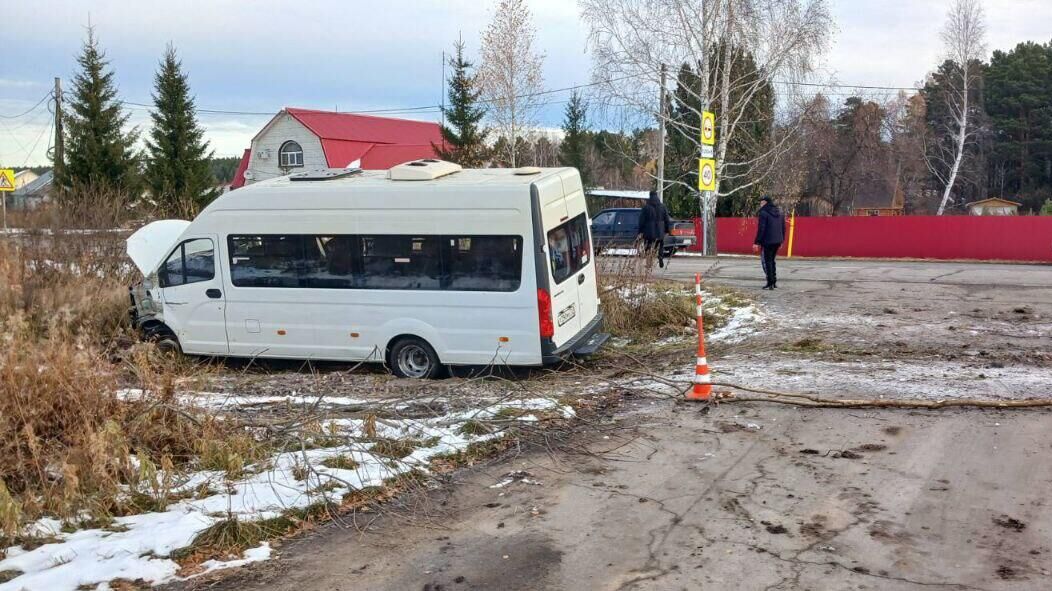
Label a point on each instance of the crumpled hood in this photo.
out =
(150, 243)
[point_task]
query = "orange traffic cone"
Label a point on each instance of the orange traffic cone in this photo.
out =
(702, 389)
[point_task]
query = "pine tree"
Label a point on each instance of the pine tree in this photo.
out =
(575, 126)
(177, 170)
(98, 151)
(462, 135)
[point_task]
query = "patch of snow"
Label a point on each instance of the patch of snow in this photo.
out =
(226, 401)
(251, 555)
(743, 322)
(139, 546)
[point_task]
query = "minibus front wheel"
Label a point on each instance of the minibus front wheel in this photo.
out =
(169, 345)
(412, 357)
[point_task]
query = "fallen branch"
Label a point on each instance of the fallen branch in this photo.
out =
(809, 400)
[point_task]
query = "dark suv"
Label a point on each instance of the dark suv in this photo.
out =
(618, 227)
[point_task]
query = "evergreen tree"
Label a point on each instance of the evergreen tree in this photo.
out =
(1019, 103)
(178, 172)
(572, 149)
(98, 151)
(462, 135)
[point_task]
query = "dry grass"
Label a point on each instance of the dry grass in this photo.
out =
(67, 441)
(636, 306)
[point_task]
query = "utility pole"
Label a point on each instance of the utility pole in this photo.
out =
(442, 95)
(60, 152)
(661, 138)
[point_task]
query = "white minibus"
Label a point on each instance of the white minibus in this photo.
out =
(421, 266)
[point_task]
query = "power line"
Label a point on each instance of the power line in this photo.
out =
(860, 86)
(400, 110)
(29, 154)
(31, 109)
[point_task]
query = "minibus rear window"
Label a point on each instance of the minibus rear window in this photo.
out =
(569, 248)
(484, 263)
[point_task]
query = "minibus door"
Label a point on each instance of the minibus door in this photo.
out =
(587, 298)
(192, 293)
(565, 306)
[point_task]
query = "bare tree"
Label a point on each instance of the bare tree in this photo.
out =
(780, 39)
(511, 73)
(964, 38)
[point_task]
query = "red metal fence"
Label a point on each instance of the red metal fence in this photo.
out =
(1004, 238)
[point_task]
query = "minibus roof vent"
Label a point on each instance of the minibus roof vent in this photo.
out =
(325, 174)
(427, 169)
(526, 170)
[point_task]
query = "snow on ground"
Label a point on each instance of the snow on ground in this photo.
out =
(743, 322)
(139, 546)
(227, 401)
(892, 378)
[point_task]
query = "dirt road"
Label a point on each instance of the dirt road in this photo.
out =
(664, 496)
(740, 498)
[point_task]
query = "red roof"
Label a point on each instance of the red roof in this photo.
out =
(328, 125)
(382, 157)
(239, 176)
(373, 143)
(340, 153)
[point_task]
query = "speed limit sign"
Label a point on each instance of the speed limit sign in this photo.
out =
(706, 174)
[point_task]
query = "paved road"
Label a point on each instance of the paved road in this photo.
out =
(743, 498)
(745, 272)
(758, 497)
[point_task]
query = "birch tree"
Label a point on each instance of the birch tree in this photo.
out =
(510, 73)
(964, 39)
(631, 39)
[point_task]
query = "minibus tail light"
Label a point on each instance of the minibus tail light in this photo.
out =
(544, 312)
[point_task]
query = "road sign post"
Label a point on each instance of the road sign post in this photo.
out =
(707, 178)
(7, 184)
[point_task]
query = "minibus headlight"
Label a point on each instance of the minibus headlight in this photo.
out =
(544, 313)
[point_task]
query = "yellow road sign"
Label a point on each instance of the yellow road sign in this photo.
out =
(7, 179)
(708, 128)
(706, 174)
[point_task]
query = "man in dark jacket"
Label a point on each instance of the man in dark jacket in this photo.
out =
(654, 223)
(770, 233)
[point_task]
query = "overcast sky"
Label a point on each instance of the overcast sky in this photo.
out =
(358, 55)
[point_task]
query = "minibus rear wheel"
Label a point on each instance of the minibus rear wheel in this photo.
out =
(412, 357)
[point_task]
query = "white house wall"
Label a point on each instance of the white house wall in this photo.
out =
(282, 129)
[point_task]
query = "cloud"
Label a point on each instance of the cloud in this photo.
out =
(366, 54)
(8, 83)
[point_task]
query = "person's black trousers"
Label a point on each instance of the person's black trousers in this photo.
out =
(769, 251)
(656, 247)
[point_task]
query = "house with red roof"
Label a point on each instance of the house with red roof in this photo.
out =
(306, 139)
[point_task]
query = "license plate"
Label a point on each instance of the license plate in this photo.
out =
(567, 314)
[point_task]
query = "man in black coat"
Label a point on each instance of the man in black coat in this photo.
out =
(770, 233)
(654, 223)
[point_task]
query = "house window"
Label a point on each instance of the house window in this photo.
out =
(290, 155)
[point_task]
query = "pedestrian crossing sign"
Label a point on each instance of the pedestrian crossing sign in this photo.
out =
(706, 174)
(7, 179)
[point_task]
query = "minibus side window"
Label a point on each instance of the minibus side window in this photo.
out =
(330, 262)
(192, 261)
(484, 263)
(569, 248)
(401, 262)
(266, 261)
